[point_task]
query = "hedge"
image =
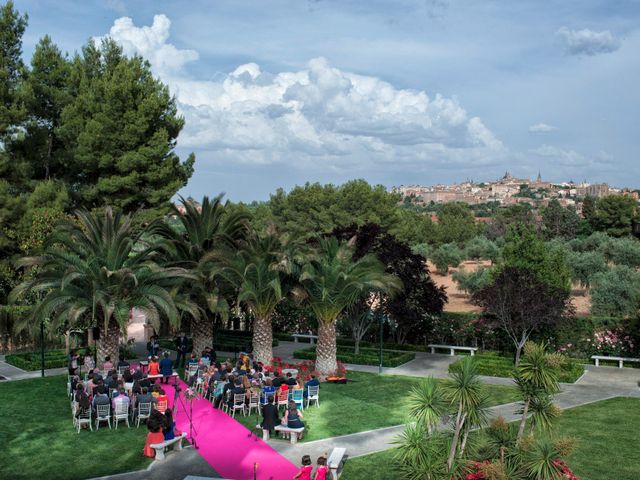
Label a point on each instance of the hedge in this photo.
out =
(492, 364)
(32, 360)
(224, 340)
(365, 357)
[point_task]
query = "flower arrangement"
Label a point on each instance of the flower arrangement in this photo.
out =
(305, 368)
(190, 394)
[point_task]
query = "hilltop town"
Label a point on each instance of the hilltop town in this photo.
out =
(510, 190)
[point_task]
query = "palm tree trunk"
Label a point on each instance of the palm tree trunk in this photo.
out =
(263, 340)
(523, 421)
(326, 350)
(109, 343)
(456, 436)
(201, 333)
(464, 442)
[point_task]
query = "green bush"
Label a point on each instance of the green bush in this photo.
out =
(493, 364)
(367, 356)
(32, 360)
(224, 341)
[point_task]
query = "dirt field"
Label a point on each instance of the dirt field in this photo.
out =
(459, 301)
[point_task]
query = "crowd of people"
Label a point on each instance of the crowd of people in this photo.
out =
(220, 382)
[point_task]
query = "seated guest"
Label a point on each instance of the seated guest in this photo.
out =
(84, 404)
(299, 385)
(283, 388)
(136, 389)
(290, 380)
(193, 359)
(122, 363)
(146, 381)
(108, 364)
(313, 382)
(270, 417)
(277, 381)
(162, 396)
(112, 380)
(79, 392)
(127, 376)
(99, 385)
(91, 383)
(154, 366)
(100, 397)
(293, 417)
(267, 391)
(138, 375)
(120, 398)
(237, 389)
(169, 428)
(87, 361)
(155, 435)
(144, 397)
(166, 367)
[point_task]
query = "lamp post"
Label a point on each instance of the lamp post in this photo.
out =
(381, 332)
(42, 346)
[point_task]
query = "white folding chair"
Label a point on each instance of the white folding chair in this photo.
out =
(103, 414)
(144, 412)
(238, 404)
(254, 402)
(83, 418)
(191, 370)
(121, 413)
(283, 400)
(313, 395)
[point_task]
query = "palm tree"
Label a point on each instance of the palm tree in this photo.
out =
(93, 269)
(465, 390)
(534, 377)
(202, 230)
(330, 282)
(262, 274)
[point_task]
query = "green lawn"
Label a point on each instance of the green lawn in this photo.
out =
(370, 401)
(607, 448)
(38, 439)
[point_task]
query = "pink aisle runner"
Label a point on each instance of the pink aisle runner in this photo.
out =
(226, 444)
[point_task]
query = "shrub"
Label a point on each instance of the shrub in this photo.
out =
(472, 282)
(445, 256)
(367, 356)
(616, 293)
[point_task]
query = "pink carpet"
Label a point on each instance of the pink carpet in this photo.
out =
(226, 445)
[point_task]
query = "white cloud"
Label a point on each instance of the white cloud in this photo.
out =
(151, 43)
(588, 42)
(319, 116)
(541, 128)
(571, 158)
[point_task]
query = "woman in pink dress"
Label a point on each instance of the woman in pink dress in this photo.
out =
(305, 470)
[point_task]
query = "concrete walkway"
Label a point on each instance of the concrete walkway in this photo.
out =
(598, 383)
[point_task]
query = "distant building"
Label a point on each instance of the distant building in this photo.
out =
(597, 190)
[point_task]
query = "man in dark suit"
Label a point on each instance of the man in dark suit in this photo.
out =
(182, 343)
(290, 380)
(313, 382)
(237, 389)
(270, 418)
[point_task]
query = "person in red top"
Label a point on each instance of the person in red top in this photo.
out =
(305, 470)
(154, 366)
(322, 469)
(155, 435)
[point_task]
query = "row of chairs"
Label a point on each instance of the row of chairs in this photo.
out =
(282, 400)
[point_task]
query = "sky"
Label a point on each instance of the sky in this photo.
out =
(278, 93)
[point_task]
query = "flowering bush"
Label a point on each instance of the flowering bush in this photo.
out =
(305, 368)
(566, 471)
(611, 342)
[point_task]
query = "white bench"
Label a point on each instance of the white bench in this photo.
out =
(334, 461)
(312, 338)
(294, 433)
(452, 349)
(620, 360)
(176, 443)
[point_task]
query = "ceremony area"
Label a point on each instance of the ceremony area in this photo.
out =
(304, 240)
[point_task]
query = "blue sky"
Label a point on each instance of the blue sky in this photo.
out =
(276, 93)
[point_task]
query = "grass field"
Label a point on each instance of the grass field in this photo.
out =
(607, 448)
(369, 401)
(38, 439)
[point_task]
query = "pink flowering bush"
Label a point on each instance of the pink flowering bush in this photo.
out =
(305, 368)
(611, 342)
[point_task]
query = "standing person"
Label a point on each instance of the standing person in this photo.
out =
(87, 361)
(270, 419)
(72, 362)
(305, 470)
(166, 368)
(322, 468)
(153, 345)
(182, 343)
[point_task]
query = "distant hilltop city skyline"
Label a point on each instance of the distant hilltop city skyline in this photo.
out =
(509, 190)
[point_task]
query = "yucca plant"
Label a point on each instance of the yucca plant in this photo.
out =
(420, 456)
(540, 461)
(427, 404)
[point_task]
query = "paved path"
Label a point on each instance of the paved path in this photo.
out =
(598, 383)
